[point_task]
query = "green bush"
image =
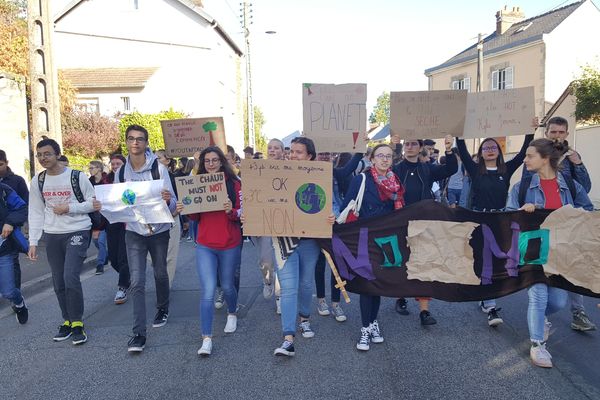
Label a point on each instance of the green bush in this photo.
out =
(152, 123)
(79, 162)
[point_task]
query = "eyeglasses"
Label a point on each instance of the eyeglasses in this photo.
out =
(489, 148)
(139, 139)
(45, 155)
(384, 156)
(212, 161)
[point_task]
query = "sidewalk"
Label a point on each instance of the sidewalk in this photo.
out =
(459, 358)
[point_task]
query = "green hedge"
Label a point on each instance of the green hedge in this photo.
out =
(152, 123)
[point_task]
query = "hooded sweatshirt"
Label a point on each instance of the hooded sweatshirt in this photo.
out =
(145, 174)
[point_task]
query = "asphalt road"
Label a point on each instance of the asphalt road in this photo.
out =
(459, 358)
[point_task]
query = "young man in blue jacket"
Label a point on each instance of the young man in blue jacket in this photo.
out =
(13, 213)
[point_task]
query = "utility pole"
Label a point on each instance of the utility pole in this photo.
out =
(476, 142)
(45, 102)
(246, 17)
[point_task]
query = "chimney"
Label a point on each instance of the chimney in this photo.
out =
(505, 18)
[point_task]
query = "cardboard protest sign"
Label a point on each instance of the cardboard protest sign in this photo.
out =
(201, 193)
(427, 114)
(184, 137)
(287, 198)
(499, 113)
(335, 116)
(134, 202)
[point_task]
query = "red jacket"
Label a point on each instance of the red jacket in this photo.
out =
(218, 230)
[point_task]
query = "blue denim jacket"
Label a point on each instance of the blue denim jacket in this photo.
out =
(535, 195)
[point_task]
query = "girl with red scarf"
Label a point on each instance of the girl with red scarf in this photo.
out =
(383, 194)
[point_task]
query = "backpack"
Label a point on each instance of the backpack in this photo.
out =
(526, 182)
(153, 170)
(95, 216)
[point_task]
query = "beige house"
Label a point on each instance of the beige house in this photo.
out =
(545, 51)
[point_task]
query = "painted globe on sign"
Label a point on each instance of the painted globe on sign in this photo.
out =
(128, 197)
(187, 200)
(310, 198)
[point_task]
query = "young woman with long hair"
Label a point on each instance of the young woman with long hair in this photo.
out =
(550, 190)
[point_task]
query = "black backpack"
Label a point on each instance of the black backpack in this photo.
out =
(153, 170)
(95, 216)
(526, 182)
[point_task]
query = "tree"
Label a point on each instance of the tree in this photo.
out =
(259, 121)
(89, 134)
(381, 111)
(152, 123)
(587, 91)
(14, 50)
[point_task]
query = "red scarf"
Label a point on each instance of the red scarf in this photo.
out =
(389, 187)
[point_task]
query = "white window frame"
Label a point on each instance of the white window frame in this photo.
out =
(503, 78)
(125, 103)
(462, 84)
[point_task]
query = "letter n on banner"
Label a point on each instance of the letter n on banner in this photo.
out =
(392, 241)
(490, 246)
(361, 265)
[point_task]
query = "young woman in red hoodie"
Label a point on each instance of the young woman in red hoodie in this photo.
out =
(219, 247)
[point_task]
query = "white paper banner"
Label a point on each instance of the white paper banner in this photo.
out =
(134, 202)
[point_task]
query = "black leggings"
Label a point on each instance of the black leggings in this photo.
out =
(320, 281)
(369, 308)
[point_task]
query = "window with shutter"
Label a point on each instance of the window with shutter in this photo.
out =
(508, 78)
(495, 79)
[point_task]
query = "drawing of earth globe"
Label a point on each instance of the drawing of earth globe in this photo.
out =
(310, 198)
(128, 197)
(187, 200)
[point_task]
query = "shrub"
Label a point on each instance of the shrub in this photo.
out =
(152, 123)
(89, 134)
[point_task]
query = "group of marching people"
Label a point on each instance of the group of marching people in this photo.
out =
(62, 207)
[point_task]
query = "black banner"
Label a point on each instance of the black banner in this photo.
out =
(508, 248)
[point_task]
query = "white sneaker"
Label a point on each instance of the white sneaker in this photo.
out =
(278, 305)
(304, 327)
(365, 339)
(539, 355)
(322, 308)
(206, 348)
(375, 332)
(268, 290)
(231, 324)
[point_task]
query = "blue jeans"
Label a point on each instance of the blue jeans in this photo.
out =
(296, 280)
(7, 280)
(100, 244)
(454, 196)
(209, 262)
(543, 301)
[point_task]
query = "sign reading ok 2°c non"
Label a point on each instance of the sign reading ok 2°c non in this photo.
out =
(202, 193)
(287, 198)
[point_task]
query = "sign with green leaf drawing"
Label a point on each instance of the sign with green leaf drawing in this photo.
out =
(335, 116)
(184, 137)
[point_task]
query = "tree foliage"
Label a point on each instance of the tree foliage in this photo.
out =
(152, 123)
(89, 134)
(587, 91)
(381, 111)
(259, 138)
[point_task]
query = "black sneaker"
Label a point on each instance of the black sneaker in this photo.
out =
(136, 344)
(99, 269)
(78, 335)
(22, 313)
(286, 349)
(493, 318)
(161, 318)
(426, 318)
(401, 306)
(64, 332)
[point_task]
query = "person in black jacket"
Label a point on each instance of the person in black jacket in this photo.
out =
(13, 213)
(417, 179)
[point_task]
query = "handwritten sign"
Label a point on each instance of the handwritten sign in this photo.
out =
(335, 116)
(202, 193)
(287, 198)
(427, 114)
(184, 137)
(499, 113)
